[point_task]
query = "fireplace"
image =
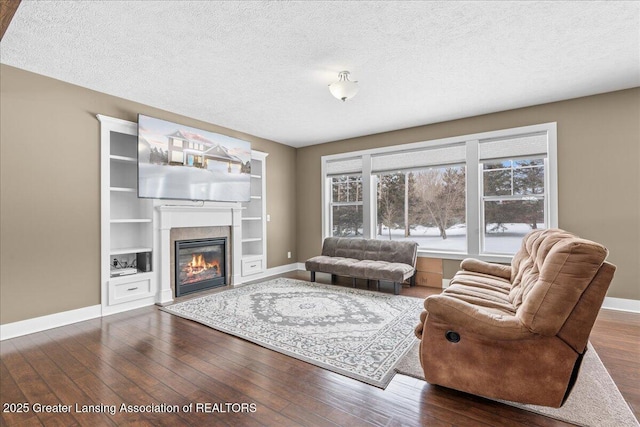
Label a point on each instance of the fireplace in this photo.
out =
(200, 264)
(176, 222)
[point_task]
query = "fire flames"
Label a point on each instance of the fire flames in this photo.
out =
(198, 265)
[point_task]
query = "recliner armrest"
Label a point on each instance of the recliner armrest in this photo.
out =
(499, 270)
(474, 319)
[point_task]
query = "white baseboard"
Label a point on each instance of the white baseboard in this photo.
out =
(270, 272)
(622, 304)
(37, 324)
(281, 269)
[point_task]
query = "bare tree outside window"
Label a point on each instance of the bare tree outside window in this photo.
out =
(432, 210)
(440, 198)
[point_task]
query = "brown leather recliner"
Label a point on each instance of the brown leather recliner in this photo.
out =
(517, 332)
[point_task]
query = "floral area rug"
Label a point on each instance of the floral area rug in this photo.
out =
(356, 333)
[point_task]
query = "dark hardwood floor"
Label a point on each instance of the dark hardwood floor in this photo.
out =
(149, 357)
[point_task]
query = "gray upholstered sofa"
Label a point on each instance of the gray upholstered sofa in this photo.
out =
(387, 260)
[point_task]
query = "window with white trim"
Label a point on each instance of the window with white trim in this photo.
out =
(345, 202)
(470, 195)
(513, 190)
(346, 206)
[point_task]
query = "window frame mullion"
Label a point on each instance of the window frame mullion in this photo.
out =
(474, 212)
(368, 196)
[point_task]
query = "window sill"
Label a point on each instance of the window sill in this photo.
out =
(502, 259)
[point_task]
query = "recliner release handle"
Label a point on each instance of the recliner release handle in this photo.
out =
(452, 336)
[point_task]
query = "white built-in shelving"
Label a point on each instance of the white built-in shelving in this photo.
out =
(126, 221)
(254, 219)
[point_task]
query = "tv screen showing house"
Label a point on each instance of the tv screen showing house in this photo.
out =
(180, 162)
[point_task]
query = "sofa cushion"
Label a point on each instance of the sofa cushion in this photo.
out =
(478, 266)
(391, 251)
(486, 296)
(381, 270)
(551, 271)
(495, 295)
(346, 247)
(481, 280)
(332, 265)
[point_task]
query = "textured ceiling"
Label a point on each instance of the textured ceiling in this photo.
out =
(262, 67)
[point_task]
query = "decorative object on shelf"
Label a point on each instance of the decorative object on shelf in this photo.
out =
(344, 88)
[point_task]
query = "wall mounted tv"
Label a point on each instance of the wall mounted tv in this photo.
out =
(185, 163)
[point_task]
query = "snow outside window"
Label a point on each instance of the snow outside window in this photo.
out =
(427, 206)
(512, 203)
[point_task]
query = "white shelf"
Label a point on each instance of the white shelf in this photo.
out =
(252, 239)
(126, 278)
(256, 176)
(123, 251)
(252, 218)
(256, 197)
(123, 189)
(130, 220)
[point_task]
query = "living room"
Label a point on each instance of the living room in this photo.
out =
(51, 170)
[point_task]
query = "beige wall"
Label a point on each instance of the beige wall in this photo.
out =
(598, 173)
(50, 181)
(50, 194)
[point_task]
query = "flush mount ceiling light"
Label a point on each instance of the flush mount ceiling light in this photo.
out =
(344, 88)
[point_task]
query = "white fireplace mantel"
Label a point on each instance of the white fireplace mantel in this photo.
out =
(177, 216)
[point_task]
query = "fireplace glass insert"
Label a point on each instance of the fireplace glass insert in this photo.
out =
(200, 264)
